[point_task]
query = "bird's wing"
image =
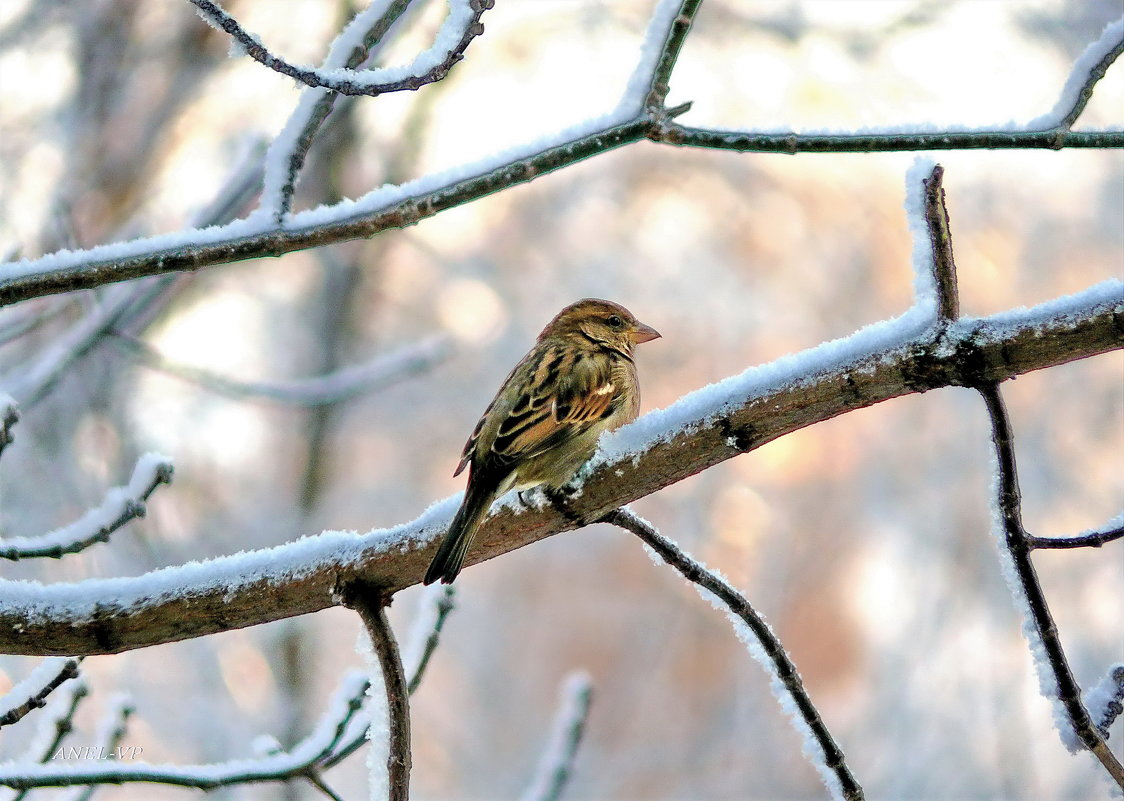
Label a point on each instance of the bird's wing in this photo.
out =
(560, 394)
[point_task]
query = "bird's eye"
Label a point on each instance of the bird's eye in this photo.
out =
(615, 321)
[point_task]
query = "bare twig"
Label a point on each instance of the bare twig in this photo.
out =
(557, 762)
(340, 385)
(347, 81)
(59, 717)
(940, 238)
(831, 762)
(1088, 539)
(371, 602)
(32, 693)
(1009, 504)
(665, 447)
(121, 505)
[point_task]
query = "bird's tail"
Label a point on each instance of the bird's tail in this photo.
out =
(450, 556)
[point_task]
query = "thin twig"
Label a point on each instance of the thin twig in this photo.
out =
(1009, 504)
(1089, 539)
(676, 36)
(121, 505)
(1085, 94)
(37, 696)
(112, 731)
(940, 238)
(370, 602)
(339, 385)
(317, 113)
(831, 756)
(557, 763)
(61, 719)
(9, 416)
(357, 85)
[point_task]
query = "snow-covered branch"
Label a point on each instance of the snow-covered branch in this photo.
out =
(639, 116)
(461, 26)
(702, 429)
(340, 385)
(1094, 538)
(1056, 680)
(121, 505)
(370, 602)
(557, 762)
(32, 692)
(278, 766)
(820, 747)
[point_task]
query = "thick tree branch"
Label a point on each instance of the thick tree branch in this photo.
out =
(113, 615)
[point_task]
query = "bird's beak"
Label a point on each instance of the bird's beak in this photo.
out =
(644, 333)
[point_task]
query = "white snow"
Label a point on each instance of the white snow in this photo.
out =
(93, 522)
(378, 721)
(1110, 38)
(31, 686)
(1109, 690)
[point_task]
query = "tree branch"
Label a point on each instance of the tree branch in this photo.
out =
(32, 693)
(940, 239)
(370, 602)
(1110, 532)
(349, 81)
(1029, 592)
(121, 505)
(741, 414)
(831, 762)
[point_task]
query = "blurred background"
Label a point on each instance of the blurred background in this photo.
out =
(864, 540)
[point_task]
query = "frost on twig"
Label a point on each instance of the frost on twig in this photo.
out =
(1056, 680)
(819, 746)
(340, 385)
(302, 761)
(459, 29)
(1106, 701)
(371, 602)
(32, 692)
(1089, 68)
(557, 762)
(288, 151)
(121, 505)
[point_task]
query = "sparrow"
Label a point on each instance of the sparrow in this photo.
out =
(577, 382)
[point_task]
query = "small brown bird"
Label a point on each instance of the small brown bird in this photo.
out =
(576, 383)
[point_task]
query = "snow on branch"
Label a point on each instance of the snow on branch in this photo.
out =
(340, 385)
(299, 762)
(32, 692)
(1093, 538)
(121, 505)
(1106, 701)
(764, 646)
(703, 428)
(1089, 68)
(461, 26)
(1056, 680)
(288, 151)
(557, 762)
(640, 115)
